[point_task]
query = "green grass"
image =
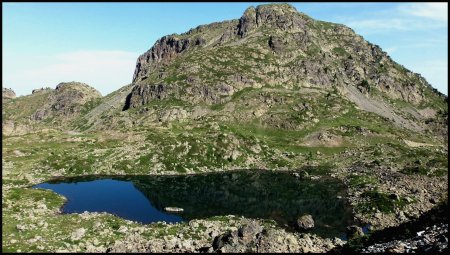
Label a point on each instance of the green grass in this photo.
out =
(313, 50)
(340, 51)
(325, 25)
(360, 181)
(90, 105)
(379, 201)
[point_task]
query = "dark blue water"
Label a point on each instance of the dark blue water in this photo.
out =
(118, 197)
(253, 194)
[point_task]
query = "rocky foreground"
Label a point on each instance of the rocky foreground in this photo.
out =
(433, 239)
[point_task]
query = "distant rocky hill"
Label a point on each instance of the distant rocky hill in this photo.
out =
(66, 99)
(47, 107)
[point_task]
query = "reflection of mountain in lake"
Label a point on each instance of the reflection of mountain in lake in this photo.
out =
(254, 194)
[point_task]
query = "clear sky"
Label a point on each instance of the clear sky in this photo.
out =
(44, 44)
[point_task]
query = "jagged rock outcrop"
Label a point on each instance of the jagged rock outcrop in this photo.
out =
(145, 93)
(8, 93)
(283, 17)
(164, 50)
(247, 22)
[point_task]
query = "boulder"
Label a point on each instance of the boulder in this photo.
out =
(221, 240)
(305, 222)
(78, 234)
(241, 240)
(354, 232)
(250, 230)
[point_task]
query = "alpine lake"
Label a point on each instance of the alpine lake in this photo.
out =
(269, 195)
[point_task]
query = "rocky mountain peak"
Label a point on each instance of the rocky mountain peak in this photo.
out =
(276, 9)
(274, 45)
(78, 86)
(279, 16)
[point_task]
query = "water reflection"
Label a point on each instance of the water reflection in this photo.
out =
(253, 194)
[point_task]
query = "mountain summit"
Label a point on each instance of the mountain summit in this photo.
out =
(275, 46)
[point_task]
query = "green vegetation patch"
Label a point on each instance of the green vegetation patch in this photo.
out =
(359, 181)
(340, 51)
(379, 201)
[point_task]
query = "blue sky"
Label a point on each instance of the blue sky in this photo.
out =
(98, 43)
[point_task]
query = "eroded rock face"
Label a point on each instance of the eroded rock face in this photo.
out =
(282, 16)
(8, 93)
(164, 50)
(247, 22)
(143, 94)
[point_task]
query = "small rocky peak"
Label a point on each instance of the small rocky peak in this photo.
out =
(72, 84)
(281, 8)
(278, 16)
(80, 87)
(8, 93)
(67, 99)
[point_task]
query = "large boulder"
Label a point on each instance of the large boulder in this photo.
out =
(241, 240)
(305, 222)
(249, 231)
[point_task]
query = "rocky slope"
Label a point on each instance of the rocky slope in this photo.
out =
(274, 89)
